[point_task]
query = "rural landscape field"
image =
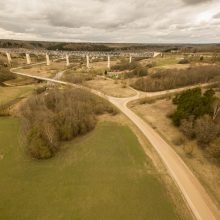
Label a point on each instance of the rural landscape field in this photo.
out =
(110, 118)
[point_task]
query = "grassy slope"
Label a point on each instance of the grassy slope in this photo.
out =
(165, 61)
(8, 94)
(103, 175)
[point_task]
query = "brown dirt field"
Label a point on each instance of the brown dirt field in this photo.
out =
(206, 170)
(109, 87)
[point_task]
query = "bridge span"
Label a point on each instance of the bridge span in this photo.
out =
(67, 54)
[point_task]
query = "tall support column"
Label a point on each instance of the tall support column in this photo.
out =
(155, 54)
(109, 62)
(9, 57)
(87, 61)
(130, 59)
(47, 59)
(67, 60)
(28, 58)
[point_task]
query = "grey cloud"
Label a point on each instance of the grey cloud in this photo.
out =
(109, 20)
(217, 15)
(193, 2)
(104, 14)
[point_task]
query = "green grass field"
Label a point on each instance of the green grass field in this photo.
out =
(104, 175)
(8, 94)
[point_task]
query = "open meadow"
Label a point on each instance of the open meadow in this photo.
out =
(102, 175)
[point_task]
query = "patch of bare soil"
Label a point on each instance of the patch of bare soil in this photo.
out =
(1, 156)
(111, 87)
(203, 167)
(172, 190)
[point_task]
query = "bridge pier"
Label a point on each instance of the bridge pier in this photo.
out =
(28, 58)
(130, 59)
(9, 57)
(87, 61)
(47, 59)
(67, 60)
(155, 54)
(109, 62)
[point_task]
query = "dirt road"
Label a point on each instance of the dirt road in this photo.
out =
(194, 193)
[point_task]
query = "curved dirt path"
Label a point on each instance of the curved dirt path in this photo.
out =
(194, 193)
(198, 199)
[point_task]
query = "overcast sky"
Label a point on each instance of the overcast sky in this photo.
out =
(142, 21)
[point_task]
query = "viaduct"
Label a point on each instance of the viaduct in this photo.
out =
(67, 54)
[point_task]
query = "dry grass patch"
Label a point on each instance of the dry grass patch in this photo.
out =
(43, 70)
(204, 168)
(110, 87)
(8, 94)
(101, 64)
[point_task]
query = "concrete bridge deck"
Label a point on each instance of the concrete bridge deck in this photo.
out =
(147, 54)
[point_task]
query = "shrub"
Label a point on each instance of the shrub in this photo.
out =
(187, 127)
(140, 71)
(59, 116)
(124, 65)
(147, 100)
(37, 146)
(179, 140)
(123, 84)
(214, 148)
(5, 74)
(77, 78)
(4, 112)
(205, 130)
(40, 89)
(188, 149)
(184, 61)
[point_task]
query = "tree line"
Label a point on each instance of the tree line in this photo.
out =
(172, 79)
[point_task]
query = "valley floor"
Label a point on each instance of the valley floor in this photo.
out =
(102, 175)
